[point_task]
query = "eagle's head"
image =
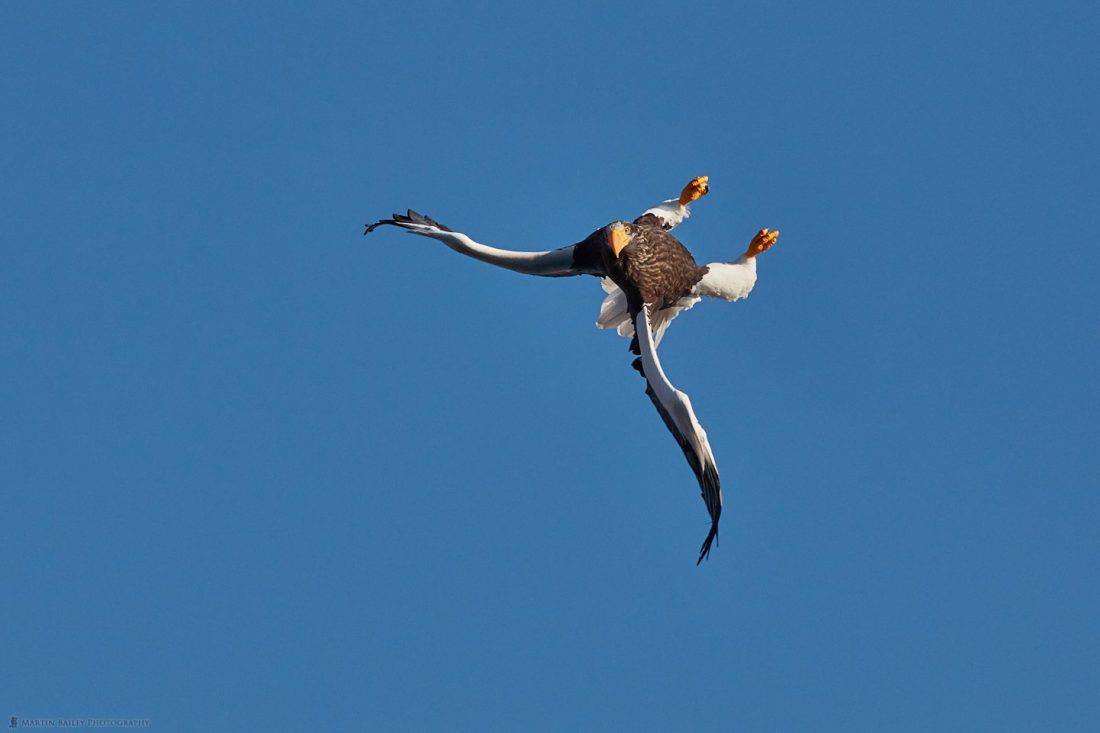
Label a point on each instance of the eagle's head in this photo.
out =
(618, 236)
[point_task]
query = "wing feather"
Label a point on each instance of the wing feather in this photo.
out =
(675, 409)
(550, 263)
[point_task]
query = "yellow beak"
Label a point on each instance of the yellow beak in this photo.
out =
(618, 239)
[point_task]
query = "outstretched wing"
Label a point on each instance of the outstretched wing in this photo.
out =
(550, 263)
(675, 409)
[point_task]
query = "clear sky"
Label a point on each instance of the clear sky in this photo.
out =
(262, 473)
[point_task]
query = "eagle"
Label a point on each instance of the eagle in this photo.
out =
(648, 278)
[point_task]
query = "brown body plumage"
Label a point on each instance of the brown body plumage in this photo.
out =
(657, 266)
(653, 268)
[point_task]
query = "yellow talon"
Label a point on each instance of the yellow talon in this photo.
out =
(764, 240)
(696, 189)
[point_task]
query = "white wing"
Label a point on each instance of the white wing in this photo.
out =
(675, 409)
(551, 263)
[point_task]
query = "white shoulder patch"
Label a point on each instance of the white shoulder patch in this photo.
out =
(670, 212)
(728, 280)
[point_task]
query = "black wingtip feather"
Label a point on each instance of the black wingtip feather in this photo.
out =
(712, 484)
(409, 217)
(704, 551)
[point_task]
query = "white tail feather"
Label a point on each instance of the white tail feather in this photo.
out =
(614, 313)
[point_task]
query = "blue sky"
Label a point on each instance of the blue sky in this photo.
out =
(260, 472)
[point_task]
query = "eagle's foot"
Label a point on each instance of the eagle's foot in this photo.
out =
(764, 240)
(696, 189)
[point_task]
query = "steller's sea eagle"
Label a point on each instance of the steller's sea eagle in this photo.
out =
(649, 278)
